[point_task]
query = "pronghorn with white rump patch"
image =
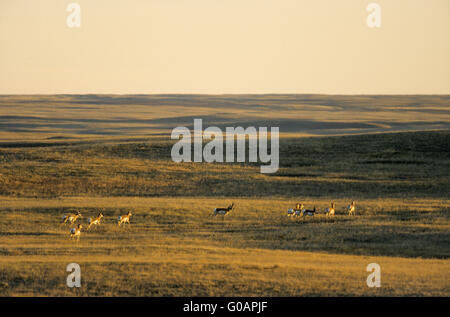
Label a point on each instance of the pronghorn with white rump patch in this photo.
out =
(351, 208)
(309, 212)
(290, 212)
(124, 218)
(295, 211)
(330, 211)
(299, 209)
(95, 221)
(71, 218)
(76, 232)
(223, 211)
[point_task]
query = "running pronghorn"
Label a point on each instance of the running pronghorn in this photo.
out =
(309, 212)
(223, 211)
(72, 217)
(95, 221)
(76, 232)
(351, 208)
(124, 218)
(330, 211)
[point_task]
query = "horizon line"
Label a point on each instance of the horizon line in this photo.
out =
(218, 94)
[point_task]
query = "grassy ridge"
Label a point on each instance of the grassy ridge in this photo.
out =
(174, 247)
(415, 164)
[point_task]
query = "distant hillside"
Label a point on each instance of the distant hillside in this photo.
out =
(82, 116)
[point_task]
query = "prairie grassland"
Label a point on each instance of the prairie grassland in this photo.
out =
(175, 247)
(397, 165)
(112, 154)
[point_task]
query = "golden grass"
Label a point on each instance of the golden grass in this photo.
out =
(76, 155)
(174, 247)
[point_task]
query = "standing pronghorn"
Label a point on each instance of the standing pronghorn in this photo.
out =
(223, 211)
(95, 221)
(290, 212)
(71, 218)
(330, 211)
(309, 212)
(351, 208)
(124, 218)
(299, 208)
(76, 232)
(295, 211)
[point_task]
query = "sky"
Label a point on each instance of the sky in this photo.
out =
(224, 47)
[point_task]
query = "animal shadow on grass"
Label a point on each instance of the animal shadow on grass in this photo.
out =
(309, 220)
(27, 234)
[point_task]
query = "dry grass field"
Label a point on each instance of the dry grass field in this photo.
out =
(62, 153)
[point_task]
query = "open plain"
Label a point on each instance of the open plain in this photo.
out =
(111, 154)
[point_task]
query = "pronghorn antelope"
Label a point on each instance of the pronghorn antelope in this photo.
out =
(76, 232)
(95, 221)
(124, 218)
(299, 209)
(223, 211)
(295, 211)
(351, 208)
(330, 211)
(290, 212)
(72, 217)
(309, 212)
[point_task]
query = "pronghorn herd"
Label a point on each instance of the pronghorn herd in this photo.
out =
(76, 232)
(297, 211)
(300, 210)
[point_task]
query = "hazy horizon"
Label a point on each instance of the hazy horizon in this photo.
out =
(214, 94)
